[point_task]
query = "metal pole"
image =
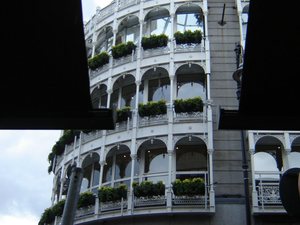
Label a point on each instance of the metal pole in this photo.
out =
(246, 180)
(72, 196)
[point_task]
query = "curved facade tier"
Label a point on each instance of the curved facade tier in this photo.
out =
(167, 81)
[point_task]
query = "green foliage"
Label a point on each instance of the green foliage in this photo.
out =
(58, 208)
(188, 105)
(123, 114)
(47, 217)
(49, 214)
(189, 187)
(148, 189)
(110, 194)
(86, 199)
(152, 108)
(155, 41)
(123, 49)
(188, 37)
(98, 60)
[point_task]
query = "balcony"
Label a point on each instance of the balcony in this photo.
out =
(267, 198)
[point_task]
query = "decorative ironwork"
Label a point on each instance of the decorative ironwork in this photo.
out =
(152, 201)
(107, 11)
(187, 200)
(126, 3)
(97, 72)
(190, 48)
(86, 211)
(153, 120)
(189, 117)
(91, 136)
(125, 59)
(110, 206)
(268, 193)
(156, 51)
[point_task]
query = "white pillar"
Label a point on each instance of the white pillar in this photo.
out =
(169, 185)
(102, 163)
(254, 191)
(287, 151)
(211, 179)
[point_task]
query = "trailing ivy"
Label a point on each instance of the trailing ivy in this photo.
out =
(153, 108)
(155, 41)
(188, 105)
(123, 49)
(49, 214)
(188, 37)
(112, 194)
(86, 199)
(148, 189)
(123, 114)
(189, 187)
(98, 60)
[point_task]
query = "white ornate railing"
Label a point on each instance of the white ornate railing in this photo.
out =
(267, 187)
(155, 51)
(153, 120)
(125, 59)
(86, 211)
(98, 71)
(122, 126)
(189, 117)
(69, 148)
(147, 202)
(91, 136)
(110, 206)
(126, 3)
(190, 48)
(105, 12)
(187, 200)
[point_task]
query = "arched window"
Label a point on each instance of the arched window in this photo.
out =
(104, 40)
(189, 17)
(157, 82)
(158, 22)
(153, 157)
(117, 168)
(99, 97)
(190, 82)
(191, 158)
(245, 20)
(91, 173)
(129, 30)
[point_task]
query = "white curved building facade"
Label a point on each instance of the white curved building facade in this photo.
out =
(172, 146)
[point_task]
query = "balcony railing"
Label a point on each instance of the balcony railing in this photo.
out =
(267, 187)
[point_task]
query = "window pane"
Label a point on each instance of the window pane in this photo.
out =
(156, 160)
(159, 89)
(96, 174)
(107, 170)
(189, 21)
(160, 26)
(123, 165)
(190, 158)
(128, 96)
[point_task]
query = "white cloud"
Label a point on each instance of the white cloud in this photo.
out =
(25, 183)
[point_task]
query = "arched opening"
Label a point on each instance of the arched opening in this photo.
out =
(245, 20)
(190, 80)
(152, 157)
(99, 97)
(157, 22)
(117, 168)
(104, 40)
(124, 91)
(189, 17)
(294, 156)
(91, 173)
(155, 85)
(128, 30)
(67, 180)
(191, 158)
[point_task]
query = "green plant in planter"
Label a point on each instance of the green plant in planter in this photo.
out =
(152, 108)
(189, 187)
(123, 114)
(58, 208)
(148, 189)
(188, 105)
(123, 49)
(188, 37)
(110, 194)
(155, 41)
(86, 199)
(47, 217)
(98, 60)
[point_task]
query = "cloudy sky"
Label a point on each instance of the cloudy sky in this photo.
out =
(25, 185)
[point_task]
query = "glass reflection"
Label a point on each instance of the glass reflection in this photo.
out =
(159, 89)
(160, 26)
(189, 21)
(156, 160)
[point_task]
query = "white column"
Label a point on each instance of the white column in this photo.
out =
(171, 88)
(102, 163)
(211, 179)
(287, 151)
(254, 192)
(169, 185)
(130, 197)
